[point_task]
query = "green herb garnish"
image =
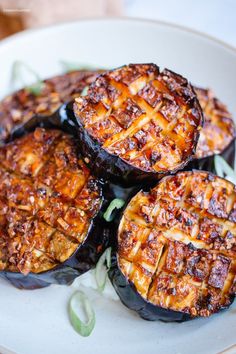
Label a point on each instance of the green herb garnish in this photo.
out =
(103, 265)
(116, 203)
(80, 300)
(18, 69)
(224, 169)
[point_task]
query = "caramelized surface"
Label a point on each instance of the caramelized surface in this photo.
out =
(47, 201)
(20, 106)
(148, 118)
(218, 130)
(177, 243)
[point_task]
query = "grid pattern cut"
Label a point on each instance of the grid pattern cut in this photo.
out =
(148, 118)
(48, 199)
(177, 243)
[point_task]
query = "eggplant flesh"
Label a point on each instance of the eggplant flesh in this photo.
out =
(137, 123)
(50, 211)
(176, 252)
(18, 108)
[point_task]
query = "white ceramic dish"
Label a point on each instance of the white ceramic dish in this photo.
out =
(36, 321)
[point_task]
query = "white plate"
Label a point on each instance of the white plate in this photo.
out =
(36, 322)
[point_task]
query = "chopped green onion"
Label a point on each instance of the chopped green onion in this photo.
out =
(223, 168)
(69, 66)
(84, 328)
(85, 91)
(116, 203)
(18, 69)
(218, 167)
(101, 269)
(108, 257)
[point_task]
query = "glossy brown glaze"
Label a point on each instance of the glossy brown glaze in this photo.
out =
(218, 130)
(147, 118)
(177, 244)
(19, 107)
(48, 200)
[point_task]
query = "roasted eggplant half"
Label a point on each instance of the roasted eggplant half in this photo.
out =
(49, 211)
(21, 106)
(218, 133)
(176, 255)
(138, 123)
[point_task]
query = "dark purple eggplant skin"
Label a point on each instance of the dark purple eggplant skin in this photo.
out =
(131, 299)
(57, 120)
(65, 275)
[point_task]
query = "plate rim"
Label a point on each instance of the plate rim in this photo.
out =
(201, 34)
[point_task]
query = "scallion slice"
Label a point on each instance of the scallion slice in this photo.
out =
(116, 203)
(223, 168)
(101, 269)
(108, 257)
(84, 328)
(17, 75)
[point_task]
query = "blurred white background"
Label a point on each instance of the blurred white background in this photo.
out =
(215, 17)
